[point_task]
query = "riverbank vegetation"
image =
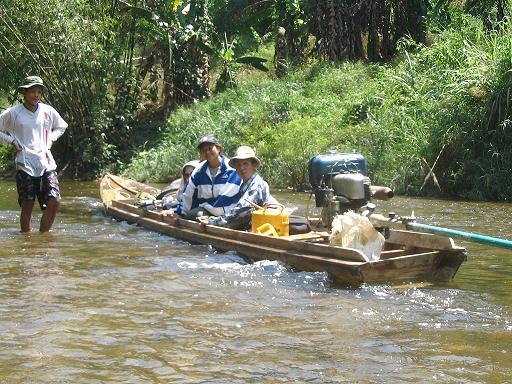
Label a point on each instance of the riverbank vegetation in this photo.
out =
(443, 106)
(5, 155)
(421, 91)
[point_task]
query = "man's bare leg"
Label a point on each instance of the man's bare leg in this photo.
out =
(49, 214)
(26, 215)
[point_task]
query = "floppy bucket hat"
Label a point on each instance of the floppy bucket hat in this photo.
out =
(30, 81)
(207, 139)
(191, 163)
(243, 153)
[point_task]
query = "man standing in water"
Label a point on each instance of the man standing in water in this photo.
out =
(31, 128)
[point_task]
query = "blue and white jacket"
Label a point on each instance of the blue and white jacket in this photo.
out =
(218, 196)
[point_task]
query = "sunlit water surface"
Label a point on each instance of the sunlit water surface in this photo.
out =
(100, 301)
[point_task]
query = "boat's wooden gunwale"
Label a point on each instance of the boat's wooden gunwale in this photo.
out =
(411, 256)
(278, 242)
(400, 268)
(345, 270)
(412, 240)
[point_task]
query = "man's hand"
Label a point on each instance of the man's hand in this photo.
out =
(170, 217)
(203, 219)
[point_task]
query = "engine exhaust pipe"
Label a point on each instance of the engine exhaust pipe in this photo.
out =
(381, 193)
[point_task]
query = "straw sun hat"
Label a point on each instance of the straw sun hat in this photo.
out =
(242, 153)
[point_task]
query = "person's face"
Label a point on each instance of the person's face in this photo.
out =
(245, 168)
(209, 152)
(32, 96)
(187, 172)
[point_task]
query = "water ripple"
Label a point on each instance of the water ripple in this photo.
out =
(105, 301)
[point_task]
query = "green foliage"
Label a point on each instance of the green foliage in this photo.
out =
(6, 159)
(454, 109)
(4, 103)
(446, 104)
(64, 43)
(491, 12)
(241, 17)
(86, 53)
(5, 150)
(168, 33)
(224, 51)
(107, 62)
(284, 120)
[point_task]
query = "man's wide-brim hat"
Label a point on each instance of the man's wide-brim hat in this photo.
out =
(31, 81)
(243, 153)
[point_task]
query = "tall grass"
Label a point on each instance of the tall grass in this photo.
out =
(466, 72)
(287, 121)
(448, 101)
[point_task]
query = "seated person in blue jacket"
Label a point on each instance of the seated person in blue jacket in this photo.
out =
(254, 191)
(213, 189)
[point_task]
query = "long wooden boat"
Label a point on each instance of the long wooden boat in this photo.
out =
(407, 256)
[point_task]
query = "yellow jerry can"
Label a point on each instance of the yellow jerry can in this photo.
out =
(271, 221)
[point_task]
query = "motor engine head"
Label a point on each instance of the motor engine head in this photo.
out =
(340, 183)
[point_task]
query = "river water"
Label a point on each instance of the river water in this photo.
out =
(100, 301)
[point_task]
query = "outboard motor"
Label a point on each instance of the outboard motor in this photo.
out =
(340, 183)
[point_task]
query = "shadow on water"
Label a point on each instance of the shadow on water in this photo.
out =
(103, 301)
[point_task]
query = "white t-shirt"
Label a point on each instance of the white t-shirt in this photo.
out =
(34, 132)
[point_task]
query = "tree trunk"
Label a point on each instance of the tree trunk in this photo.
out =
(500, 14)
(191, 73)
(281, 52)
(342, 26)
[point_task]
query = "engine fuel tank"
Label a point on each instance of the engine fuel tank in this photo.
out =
(321, 167)
(350, 185)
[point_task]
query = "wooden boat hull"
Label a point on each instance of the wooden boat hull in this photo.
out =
(409, 256)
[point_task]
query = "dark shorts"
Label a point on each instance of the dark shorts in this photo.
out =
(44, 187)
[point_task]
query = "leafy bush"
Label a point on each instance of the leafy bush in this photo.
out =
(284, 120)
(64, 42)
(456, 111)
(446, 104)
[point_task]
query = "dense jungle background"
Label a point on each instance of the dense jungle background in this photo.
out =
(420, 87)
